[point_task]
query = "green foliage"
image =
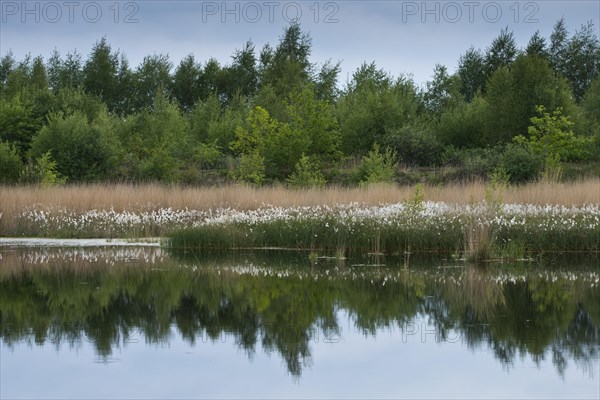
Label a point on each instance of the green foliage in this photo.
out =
(591, 107)
(501, 53)
(207, 154)
(374, 103)
(416, 203)
(552, 168)
(251, 168)
(464, 125)
(314, 119)
(512, 95)
(288, 67)
(551, 135)
(100, 73)
(157, 142)
(10, 164)
(472, 164)
(415, 145)
(521, 164)
(18, 125)
(153, 122)
(499, 180)
(378, 167)
(84, 151)
(443, 92)
(43, 171)
(306, 174)
(471, 71)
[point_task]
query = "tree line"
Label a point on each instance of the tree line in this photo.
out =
(273, 115)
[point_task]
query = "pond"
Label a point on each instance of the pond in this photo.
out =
(120, 320)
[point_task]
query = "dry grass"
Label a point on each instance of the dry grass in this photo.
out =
(152, 196)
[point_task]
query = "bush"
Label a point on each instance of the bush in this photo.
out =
(521, 164)
(83, 151)
(415, 146)
(476, 163)
(251, 168)
(43, 171)
(377, 167)
(307, 174)
(10, 164)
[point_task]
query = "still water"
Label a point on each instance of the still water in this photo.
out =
(138, 322)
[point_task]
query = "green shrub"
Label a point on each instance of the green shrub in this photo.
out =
(307, 174)
(415, 146)
(477, 163)
(377, 167)
(43, 171)
(84, 151)
(10, 164)
(521, 164)
(251, 168)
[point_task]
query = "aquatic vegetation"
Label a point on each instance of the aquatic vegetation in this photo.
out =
(478, 229)
(475, 231)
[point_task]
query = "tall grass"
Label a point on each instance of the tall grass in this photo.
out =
(121, 210)
(477, 231)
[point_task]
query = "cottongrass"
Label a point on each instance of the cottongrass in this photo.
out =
(396, 228)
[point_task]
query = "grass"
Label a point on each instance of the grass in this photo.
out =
(480, 231)
(120, 197)
(333, 220)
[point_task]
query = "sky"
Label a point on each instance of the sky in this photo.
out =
(401, 37)
(413, 364)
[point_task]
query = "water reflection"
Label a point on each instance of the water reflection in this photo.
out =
(283, 303)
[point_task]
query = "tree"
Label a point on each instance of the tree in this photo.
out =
(416, 145)
(512, 96)
(377, 167)
(39, 79)
(551, 137)
(443, 92)
(326, 81)
(464, 125)
(69, 101)
(185, 83)
(100, 73)
(582, 59)
(210, 81)
(84, 151)
(242, 74)
(314, 119)
(251, 168)
(18, 79)
(125, 103)
(7, 63)
(64, 73)
(501, 53)
(471, 70)
(10, 164)
(279, 144)
(288, 67)
(591, 106)
(18, 125)
(150, 77)
(537, 46)
(157, 141)
(374, 103)
(306, 174)
(558, 45)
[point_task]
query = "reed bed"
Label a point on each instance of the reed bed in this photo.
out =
(136, 198)
(510, 230)
(374, 219)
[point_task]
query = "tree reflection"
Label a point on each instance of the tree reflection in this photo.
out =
(282, 307)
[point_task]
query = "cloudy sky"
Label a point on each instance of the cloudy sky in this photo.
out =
(402, 37)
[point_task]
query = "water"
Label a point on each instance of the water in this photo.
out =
(133, 321)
